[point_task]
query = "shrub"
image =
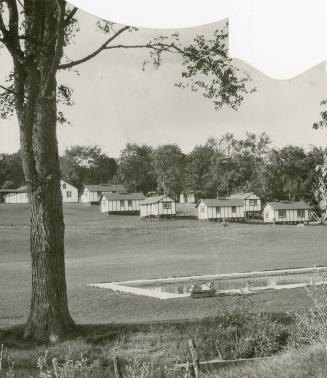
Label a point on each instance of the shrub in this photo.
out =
(81, 368)
(310, 325)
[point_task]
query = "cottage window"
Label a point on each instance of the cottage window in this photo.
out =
(167, 205)
(253, 202)
(203, 209)
(282, 213)
(64, 186)
(130, 203)
(218, 209)
(69, 194)
(300, 213)
(122, 203)
(233, 209)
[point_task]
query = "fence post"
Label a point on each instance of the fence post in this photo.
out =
(187, 370)
(195, 358)
(55, 367)
(1, 357)
(117, 369)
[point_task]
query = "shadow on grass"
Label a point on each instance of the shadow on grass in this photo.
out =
(98, 334)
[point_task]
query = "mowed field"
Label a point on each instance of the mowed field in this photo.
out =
(115, 248)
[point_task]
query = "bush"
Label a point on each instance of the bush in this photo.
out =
(310, 325)
(81, 368)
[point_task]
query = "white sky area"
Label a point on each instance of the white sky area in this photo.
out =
(116, 102)
(281, 38)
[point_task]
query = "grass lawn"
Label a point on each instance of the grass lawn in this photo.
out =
(113, 248)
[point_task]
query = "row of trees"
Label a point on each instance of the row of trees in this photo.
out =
(218, 168)
(222, 166)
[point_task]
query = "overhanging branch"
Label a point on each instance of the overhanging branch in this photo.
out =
(94, 53)
(171, 48)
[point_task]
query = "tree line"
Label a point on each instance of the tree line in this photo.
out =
(217, 168)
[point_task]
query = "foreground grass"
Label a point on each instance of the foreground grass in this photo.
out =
(295, 363)
(296, 346)
(237, 333)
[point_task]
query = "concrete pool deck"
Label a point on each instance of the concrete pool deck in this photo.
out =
(135, 286)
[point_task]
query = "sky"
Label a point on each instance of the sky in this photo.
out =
(116, 102)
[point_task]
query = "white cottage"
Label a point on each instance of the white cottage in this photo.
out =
(69, 192)
(187, 197)
(286, 212)
(221, 209)
(121, 203)
(93, 193)
(252, 204)
(20, 195)
(158, 206)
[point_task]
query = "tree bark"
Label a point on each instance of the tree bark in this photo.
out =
(49, 317)
(36, 108)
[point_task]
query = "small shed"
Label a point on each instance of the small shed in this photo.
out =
(252, 204)
(286, 212)
(19, 195)
(221, 209)
(158, 206)
(93, 193)
(69, 192)
(121, 203)
(187, 197)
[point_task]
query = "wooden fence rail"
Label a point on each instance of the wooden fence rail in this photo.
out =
(194, 368)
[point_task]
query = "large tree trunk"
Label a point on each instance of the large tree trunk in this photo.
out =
(49, 318)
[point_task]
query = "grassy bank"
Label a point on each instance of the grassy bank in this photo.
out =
(152, 350)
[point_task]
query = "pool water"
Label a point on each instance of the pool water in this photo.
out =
(234, 284)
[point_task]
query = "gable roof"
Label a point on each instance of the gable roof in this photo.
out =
(123, 196)
(67, 182)
(213, 202)
(156, 199)
(105, 188)
(289, 205)
(242, 195)
(22, 189)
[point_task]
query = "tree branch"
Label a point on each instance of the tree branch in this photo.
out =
(94, 53)
(3, 28)
(70, 17)
(7, 89)
(60, 35)
(11, 37)
(172, 48)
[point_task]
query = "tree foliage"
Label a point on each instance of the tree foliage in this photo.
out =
(168, 163)
(11, 171)
(135, 168)
(87, 164)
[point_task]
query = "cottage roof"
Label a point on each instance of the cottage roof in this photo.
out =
(105, 188)
(67, 182)
(123, 196)
(22, 189)
(221, 202)
(156, 199)
(289, 205)
(241, 195)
